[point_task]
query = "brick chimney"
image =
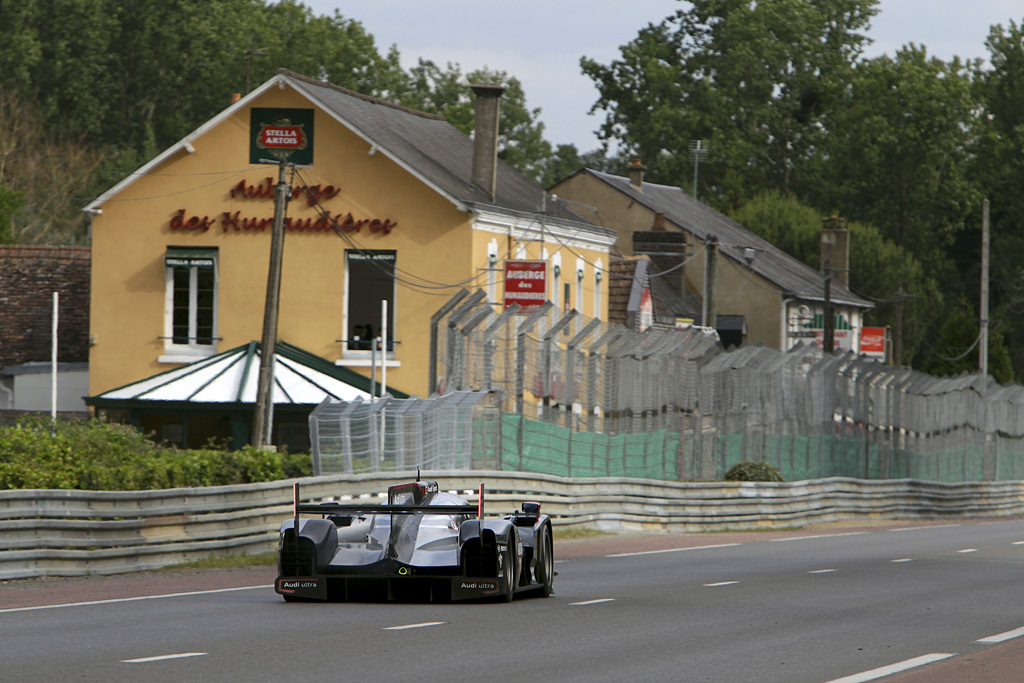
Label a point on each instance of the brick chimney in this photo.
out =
(485, 136)
(835, 248)
(636, 175)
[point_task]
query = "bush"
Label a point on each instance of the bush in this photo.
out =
(753, 471)
(98, 456)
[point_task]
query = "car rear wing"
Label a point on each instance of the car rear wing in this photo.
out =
(378, 509)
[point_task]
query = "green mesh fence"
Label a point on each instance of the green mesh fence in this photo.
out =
(514, 443)
(532, 446)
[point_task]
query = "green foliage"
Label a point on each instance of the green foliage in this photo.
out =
(753, 471)
(447, 92)
(998, 168)
(10, 202)
(756, 79)
(898, 152)
(879, 269)
(112, 457)
(955, 350)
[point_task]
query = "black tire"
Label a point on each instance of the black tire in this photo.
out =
(511, 564)
(545, 567)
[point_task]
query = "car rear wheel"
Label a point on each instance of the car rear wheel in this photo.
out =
(511, 564)
(546, 561)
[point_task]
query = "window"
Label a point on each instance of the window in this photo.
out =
(190, 315)
(370, 279)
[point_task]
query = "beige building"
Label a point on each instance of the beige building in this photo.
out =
(387, 205)
(778, 300)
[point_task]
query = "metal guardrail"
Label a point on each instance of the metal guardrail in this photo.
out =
(83, 533)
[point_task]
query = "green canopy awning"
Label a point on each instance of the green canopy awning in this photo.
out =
(190, 257)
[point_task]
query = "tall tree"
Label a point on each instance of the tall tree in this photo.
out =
(998, 169)
(753, 78)
(898, 149)
(43, 175)
(881, 271)
(447, 92)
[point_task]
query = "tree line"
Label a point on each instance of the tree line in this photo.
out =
(798, 123)
(90, 91)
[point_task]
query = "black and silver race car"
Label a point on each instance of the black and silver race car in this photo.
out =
(424, 543)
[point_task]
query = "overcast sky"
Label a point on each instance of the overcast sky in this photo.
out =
(540, 42)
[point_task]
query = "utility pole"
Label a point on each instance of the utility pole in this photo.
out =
(897, 342)
(263, 416)
(709, 316)
(829, 341)
(983, 350)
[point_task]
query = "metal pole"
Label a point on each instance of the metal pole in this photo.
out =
(53, 363)
(828, 343)
(384, 348)
(983, 343)
(263, 416)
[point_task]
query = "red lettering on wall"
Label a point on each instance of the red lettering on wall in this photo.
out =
(179, 222)
(265, 190)
(233, 222)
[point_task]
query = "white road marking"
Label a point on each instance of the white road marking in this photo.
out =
(159, 658)
(884, 671)
(923, 528)
(142, 597)
(822, 571)
(593, 602)
(720, 583)
(1018, 543)
(805, 538)
(408, 626)
(1000, 637)
(675, 550)
(902, 559)
(968, 550)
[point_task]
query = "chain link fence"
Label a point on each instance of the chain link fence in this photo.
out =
(574, 396)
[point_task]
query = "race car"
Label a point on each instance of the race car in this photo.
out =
(423, 544)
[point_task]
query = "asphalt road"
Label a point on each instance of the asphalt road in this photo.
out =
(815, 606)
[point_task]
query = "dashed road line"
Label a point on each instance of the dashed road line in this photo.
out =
(593, 602)
(406, 627)
(113, 601)
(720, 583)
(822, 571)
(675, 550)
(160, 658)
(923, 528)
(1000, 637)
(807, 538)
(884, 671)
(902, 559)
(968, 550)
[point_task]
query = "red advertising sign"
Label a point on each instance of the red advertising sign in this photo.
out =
(872, 341)
(281, 135)
(526, 283)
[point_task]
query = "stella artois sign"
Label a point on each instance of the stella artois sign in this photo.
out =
(281, 136)
(281, 133)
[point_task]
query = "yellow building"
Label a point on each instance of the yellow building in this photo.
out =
(387, 204)
(761, 293)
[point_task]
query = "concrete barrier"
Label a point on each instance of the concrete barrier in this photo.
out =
(82, 533)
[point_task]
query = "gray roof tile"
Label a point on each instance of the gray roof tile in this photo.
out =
(790, 274)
